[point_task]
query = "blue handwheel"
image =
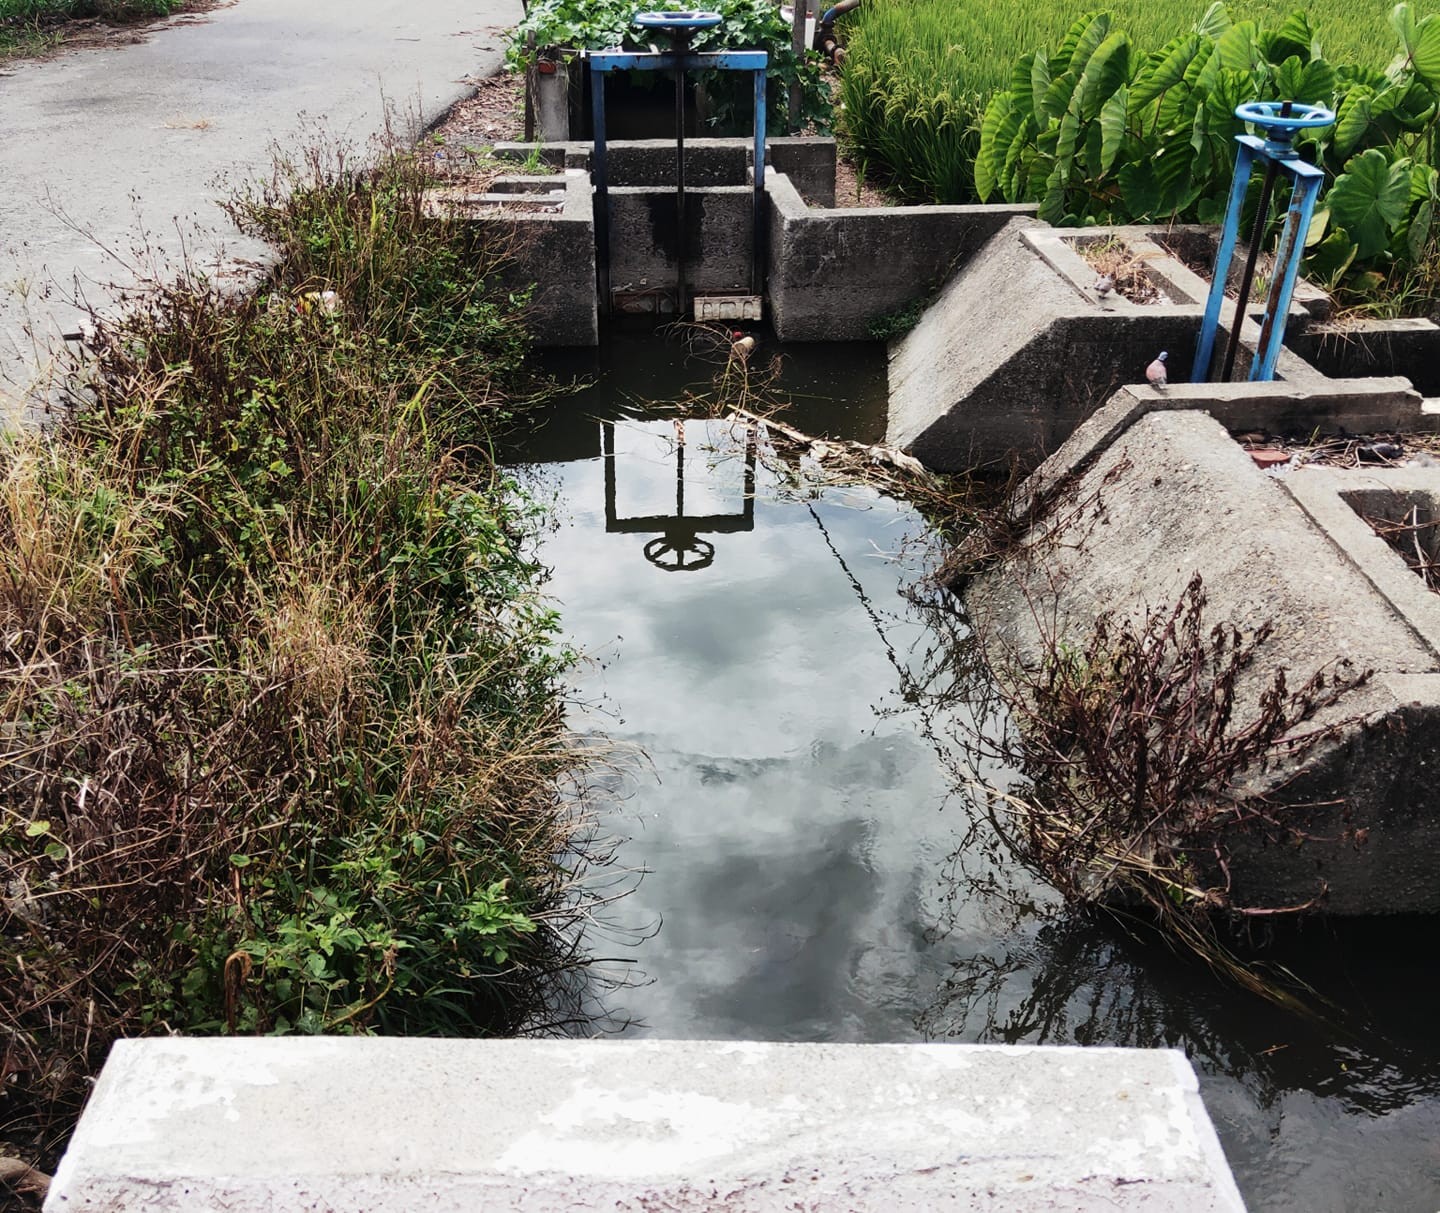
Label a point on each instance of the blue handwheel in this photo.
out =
(678, 20)
(1267, 114)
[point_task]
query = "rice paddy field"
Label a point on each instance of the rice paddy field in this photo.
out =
(920, 72)
(972, 46)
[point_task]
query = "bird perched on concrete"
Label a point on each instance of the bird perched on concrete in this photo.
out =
(1155, 373)
(1104, 284)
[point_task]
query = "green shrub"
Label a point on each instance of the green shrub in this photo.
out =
(279, 725)
(746, 25)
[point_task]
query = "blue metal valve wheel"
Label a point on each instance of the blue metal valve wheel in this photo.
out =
(678, 20)
(1266, 114)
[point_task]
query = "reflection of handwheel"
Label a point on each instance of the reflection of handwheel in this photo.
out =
(680, 553)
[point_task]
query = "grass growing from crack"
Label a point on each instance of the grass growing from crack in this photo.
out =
(281, 747)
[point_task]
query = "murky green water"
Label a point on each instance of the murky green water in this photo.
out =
(810, 871)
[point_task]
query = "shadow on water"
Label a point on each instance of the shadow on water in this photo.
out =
(812, 867)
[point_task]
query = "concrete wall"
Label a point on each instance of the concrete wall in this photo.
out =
(552, 250)
(1354, 821)
(809, 163)
(834, 273)
(400, 1126)
(1374, 347)
(645, 243)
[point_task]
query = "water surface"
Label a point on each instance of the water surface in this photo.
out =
(811, 869)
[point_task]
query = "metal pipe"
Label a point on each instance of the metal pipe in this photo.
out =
(681, 46)
(758, 241)
(602, 195)
(1287, 260)
(1257, 237)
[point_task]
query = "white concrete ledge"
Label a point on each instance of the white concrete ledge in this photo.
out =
(397, 1126)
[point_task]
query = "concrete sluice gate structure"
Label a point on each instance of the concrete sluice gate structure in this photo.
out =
(1016, 358)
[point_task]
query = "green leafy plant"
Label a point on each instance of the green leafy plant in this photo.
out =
(1097, 133)
(745, 25)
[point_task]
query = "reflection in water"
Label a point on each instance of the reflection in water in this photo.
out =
(678, 546)
(811, 872)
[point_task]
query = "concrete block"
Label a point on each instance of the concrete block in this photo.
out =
(1015, 354)
(1409, 347)
(834, 273)
(546, 238)
(394, 1126)
(1355, 819)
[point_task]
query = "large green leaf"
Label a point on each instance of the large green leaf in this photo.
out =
(1239, 48)
(1080, 32)
(1139, 188)
(997, 130)
(1112, 128)
(1369, 200)
(1294, 37)
(1330, 258)
(1426, 54)
(1214, 22)
(1165, 68)
(1107, 70)
(1402, 21)
(1417, 239)
(1039, 83)
(1353, 122)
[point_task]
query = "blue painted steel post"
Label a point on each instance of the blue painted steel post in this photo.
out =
(1229, 235)
(758, 242)
(1282, 121)
(602, 185)
(1287, 261)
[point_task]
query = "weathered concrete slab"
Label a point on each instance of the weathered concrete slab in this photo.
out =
(1017, 351)
(1169, 495)
(394, 1126)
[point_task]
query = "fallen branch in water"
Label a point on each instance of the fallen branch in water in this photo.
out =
(23, 1177)
(821, 449)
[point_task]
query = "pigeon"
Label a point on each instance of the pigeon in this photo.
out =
(1103, 286)
(1155, 373)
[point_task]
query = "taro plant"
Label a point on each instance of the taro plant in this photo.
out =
(1096, 132)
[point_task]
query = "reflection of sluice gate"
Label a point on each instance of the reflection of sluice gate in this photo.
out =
(678, 546)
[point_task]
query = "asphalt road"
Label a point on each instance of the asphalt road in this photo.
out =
(112, 160)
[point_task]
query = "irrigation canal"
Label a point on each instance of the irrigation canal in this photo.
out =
(812, 871)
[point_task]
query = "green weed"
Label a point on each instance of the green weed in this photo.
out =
(281, 748)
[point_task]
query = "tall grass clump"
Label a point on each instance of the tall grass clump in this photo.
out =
(280, 742)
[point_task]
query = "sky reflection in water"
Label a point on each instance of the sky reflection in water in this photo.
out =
(810, 873)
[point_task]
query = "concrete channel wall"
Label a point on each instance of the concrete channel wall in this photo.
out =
(397, 1126)
(1151, 491)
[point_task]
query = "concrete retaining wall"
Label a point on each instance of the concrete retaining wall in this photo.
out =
(1374, 347)
(835, 273)
(398, 1126)
(1354, 821)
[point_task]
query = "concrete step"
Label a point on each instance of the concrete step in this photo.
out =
(394, 1126)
